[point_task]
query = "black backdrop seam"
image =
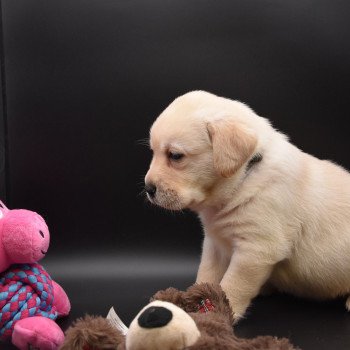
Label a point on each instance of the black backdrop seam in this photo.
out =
(5, 180)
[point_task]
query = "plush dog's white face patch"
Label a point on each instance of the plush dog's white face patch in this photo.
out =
(161, 326)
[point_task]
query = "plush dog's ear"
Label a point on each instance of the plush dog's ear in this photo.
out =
(171, 295)
(233, 144)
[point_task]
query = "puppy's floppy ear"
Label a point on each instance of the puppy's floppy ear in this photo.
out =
(233, 144)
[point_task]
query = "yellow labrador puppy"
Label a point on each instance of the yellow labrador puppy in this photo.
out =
(272, 215)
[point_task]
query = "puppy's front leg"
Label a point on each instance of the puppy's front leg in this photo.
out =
(243, 280)
(213, 263)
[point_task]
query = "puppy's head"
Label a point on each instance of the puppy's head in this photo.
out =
(199, 140)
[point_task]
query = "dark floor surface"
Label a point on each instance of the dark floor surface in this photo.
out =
(129, 282)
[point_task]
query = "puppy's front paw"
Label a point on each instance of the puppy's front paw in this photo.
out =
(238, 309)
(238, 315)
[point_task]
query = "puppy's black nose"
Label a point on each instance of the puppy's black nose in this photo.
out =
(154, 317)
(151, 190)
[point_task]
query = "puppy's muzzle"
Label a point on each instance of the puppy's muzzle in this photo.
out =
(151, 190)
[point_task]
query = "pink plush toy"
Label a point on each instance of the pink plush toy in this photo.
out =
(29, 299)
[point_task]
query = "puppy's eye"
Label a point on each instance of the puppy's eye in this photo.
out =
(175, 156)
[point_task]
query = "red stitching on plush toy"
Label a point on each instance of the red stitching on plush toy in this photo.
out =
(205, 306)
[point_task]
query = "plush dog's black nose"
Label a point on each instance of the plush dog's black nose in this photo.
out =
(151, 190)
(155, 316)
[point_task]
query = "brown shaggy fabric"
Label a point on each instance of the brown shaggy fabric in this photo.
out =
(214, 293)
(217, 333)
(93, 333)
(171, 295)
(191, 298)
(96, 333)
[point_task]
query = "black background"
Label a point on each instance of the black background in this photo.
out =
(82, 82)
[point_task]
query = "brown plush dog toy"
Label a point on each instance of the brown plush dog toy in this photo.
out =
(199, 318)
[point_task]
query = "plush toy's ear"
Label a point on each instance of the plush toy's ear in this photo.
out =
(206, 297)
(92, 333)
(171, 295)
(233, 144)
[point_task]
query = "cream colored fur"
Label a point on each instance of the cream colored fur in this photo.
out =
(285, 222)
